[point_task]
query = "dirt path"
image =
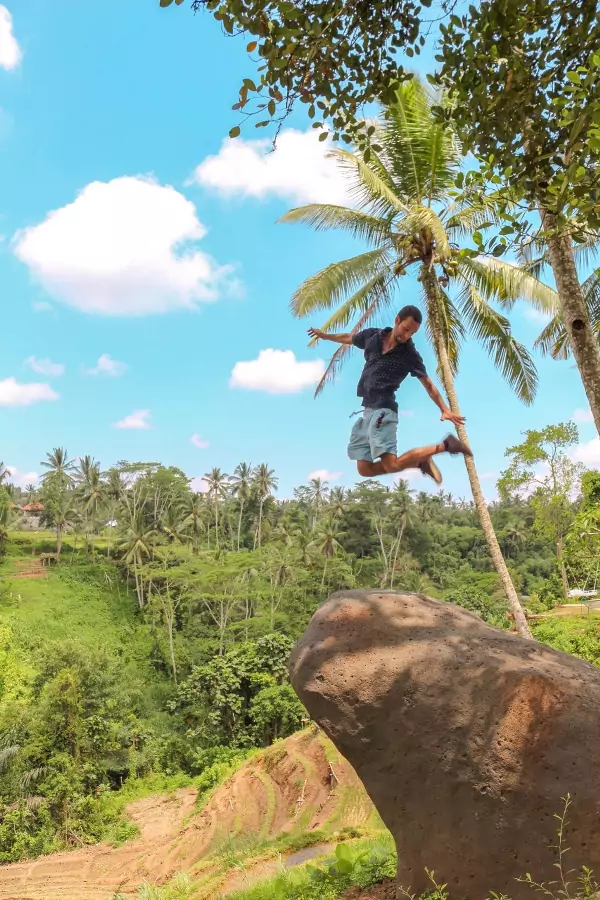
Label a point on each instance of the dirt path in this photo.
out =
(289, 787)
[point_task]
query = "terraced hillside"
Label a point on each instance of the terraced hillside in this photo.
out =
(293, 794)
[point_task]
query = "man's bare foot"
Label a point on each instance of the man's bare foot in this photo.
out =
(428, 467)
(454, 446)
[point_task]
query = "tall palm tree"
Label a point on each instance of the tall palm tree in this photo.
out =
(60, 508)
(317, 494)
(338, 502)
(264, 482)
(83, 471)
(91, 491)
(216, 482)
(241, 489)
(327, 542)
(407, 213)
(195, 509)
(59, 467)
(136, 546)
(4, 474)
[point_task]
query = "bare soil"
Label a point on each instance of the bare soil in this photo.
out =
(287, 788)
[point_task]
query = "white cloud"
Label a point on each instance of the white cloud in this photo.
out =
(582, 416)
(536, 315)
(107, 366)
(197, 441)
(10, 52)
(199, 485)
(324, 475)
(298, 170)
(22, 479)
(13, 393)
(125, 247)
(45, 366)
(276, 372)
(487, 475)
(41, 306)
(588, 453)
(137, 420)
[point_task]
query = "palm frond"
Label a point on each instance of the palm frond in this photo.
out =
(587, 251)
(499, 280)
(357, 303)
(553, 340)
(6, 754)
(423, 156)
(322, 216)
(370, 186)
(494, 332)
(382, 299)
(330, 285)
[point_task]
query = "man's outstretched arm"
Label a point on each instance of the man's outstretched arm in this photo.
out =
(447, 414)
(317, 334)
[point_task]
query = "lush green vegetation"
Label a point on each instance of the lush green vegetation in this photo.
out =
(153, 654)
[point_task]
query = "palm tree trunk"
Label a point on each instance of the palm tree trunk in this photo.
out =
(239, 530)
(430, 285)
(260, 514)
(574, 312)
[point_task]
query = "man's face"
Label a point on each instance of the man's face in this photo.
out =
(404, 330)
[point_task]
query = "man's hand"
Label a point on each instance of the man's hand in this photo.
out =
(316, 334)
(449, 416)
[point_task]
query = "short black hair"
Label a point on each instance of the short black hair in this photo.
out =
(410, 312)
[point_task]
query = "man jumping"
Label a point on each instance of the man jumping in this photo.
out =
(390, 355)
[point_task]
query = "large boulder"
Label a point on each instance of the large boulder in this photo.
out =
(467, 738)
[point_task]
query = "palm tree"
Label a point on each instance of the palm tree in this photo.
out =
(83, 471)
(327, 542)
(30, 491)
(60, 468)
(136, 546)
(173, 522)
(264, 482)
(195, 509)
(92, 491)
(63, 515)
(514, 537)
(317, 494)
(216, 482)
(338, 502)
(241, 489)
(4, 474)
(408, 214)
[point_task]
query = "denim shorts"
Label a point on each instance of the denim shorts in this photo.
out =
(375, 432)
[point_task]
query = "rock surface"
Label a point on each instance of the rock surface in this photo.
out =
(466, 738)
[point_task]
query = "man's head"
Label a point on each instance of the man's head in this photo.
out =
(408, 321)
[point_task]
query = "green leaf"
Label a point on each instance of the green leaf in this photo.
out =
(574, 77)
(323, 136)
(235, 131)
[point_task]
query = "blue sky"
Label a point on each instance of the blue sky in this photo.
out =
(144, 277)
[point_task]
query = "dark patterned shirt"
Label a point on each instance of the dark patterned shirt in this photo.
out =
(384, 372)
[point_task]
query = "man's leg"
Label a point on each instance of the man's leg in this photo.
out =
(412, 459)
